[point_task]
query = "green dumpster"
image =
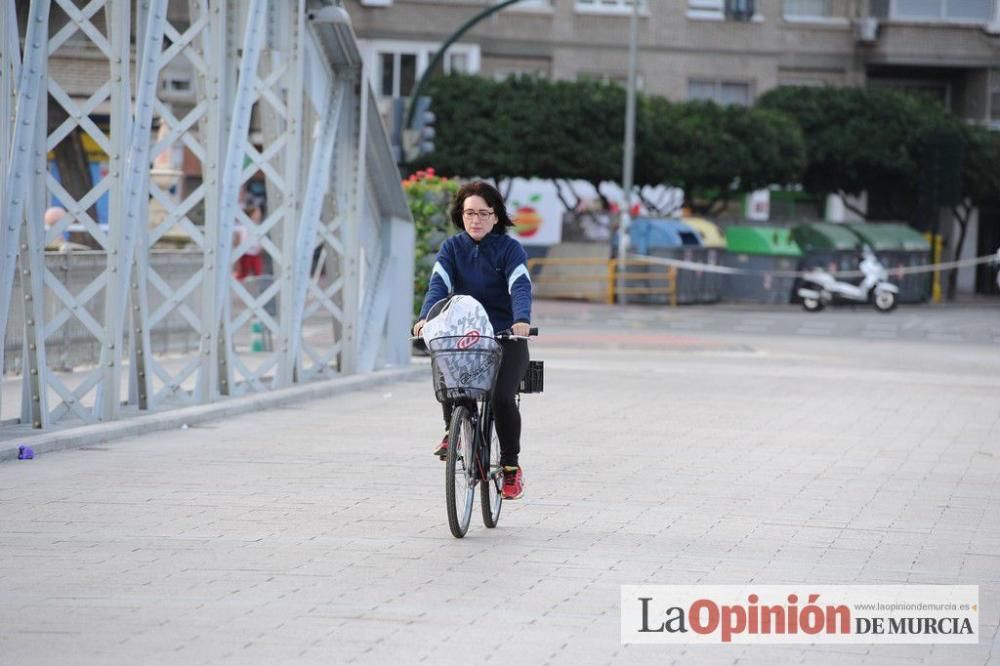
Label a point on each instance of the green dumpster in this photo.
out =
(827, 245)
(762, 250)
(898, 246)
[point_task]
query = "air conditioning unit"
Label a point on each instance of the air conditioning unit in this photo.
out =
(866, 30)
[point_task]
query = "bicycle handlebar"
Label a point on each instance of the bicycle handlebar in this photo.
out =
(507, 335)
(502, 335)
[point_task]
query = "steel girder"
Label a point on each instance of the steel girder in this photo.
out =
(337, 301)
(28, 71)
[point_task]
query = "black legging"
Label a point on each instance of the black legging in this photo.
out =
(505, 412)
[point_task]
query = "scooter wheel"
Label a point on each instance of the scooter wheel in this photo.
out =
(884, 301)
(812, 304)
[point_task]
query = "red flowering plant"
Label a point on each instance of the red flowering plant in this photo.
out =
(429, 196)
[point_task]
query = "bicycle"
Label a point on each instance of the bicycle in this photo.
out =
(464, 370)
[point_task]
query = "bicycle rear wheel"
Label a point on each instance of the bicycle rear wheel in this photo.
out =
(491, 488)
(460, 476)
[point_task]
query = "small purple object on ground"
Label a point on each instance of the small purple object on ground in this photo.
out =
(25, 453)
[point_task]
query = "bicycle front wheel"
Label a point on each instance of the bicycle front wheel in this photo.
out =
(491, 488)
(460, 476)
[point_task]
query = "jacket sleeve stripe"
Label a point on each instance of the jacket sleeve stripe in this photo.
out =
(520, 271)
(440, 271)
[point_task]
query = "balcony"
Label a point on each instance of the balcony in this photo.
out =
(957, 12)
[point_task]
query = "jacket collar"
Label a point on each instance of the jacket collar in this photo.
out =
(488, 240)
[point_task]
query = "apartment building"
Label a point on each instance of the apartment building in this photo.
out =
(730, 51)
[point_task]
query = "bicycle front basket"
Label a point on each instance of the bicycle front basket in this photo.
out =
(464, 367)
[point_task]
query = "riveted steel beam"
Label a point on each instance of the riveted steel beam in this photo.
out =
(16, 177)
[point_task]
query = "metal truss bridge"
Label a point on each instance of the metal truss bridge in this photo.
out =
(275, 101)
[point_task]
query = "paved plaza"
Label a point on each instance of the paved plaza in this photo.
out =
(686, 446)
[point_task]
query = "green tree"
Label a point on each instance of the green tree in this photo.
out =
(573, 130)
(714, 152)
(861, 140)
(527, 127)
(474, 135)
(980, 184)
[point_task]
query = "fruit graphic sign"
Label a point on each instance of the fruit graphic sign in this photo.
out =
(536, 212)
(527, 219)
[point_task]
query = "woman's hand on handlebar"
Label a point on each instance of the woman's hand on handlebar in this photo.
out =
(419, 327)
(521, 329)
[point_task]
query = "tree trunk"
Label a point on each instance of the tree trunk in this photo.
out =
(605, 204)
(668, 204)
(709, 208)
(851, 207)
(649, 204)
(510, 186)
(962, 213)
(717, 208)
(562, 198)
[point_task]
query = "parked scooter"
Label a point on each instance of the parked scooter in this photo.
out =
(820, 288)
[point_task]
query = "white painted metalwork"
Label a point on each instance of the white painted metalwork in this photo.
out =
(28, 70)
(145, 328)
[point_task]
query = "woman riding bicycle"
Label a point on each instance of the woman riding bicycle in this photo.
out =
(487, 264)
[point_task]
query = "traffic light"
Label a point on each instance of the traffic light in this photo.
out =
(424, 125)
(419, 139)
(397, 117)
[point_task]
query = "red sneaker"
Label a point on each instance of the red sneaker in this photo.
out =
(513, 483)
(441, 450)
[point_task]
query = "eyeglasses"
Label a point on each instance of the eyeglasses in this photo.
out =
(484, 215)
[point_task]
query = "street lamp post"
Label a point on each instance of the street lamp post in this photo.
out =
(628, 161)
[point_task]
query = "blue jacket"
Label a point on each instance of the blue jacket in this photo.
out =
(494, 271)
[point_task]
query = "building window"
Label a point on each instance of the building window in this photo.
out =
(395, 66)
(458, 63)
(504, 73)
(740, 10)
(607, 77)
(397, 73)
(720, 92)
(533, 4)
(608, 6)
(706, 9)
(721, 10)
(807, 9)
(800, 81)
(974, 11)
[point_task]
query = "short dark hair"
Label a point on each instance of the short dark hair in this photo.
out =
(492, 197)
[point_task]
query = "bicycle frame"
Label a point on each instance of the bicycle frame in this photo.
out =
(484, 430)
(483, 426)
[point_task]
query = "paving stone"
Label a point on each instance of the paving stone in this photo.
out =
(318, 534)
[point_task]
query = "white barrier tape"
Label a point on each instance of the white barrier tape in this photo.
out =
(729, 270)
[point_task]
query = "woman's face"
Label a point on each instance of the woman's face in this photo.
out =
(478, 216)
